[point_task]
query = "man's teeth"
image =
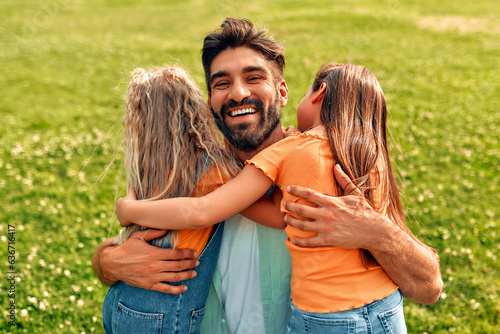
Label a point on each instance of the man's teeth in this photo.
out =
(240, 112)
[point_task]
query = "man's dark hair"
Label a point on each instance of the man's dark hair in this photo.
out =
(235, 33)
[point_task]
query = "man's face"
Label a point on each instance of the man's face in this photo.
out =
(244, 98)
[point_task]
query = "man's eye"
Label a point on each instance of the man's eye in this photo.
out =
(221, 84)
(254, 78)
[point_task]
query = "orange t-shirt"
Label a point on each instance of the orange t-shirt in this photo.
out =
(197, 239)
(325, 279)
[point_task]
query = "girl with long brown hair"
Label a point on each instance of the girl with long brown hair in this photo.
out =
(172, 149)
(343, 118)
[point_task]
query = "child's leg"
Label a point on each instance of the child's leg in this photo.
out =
(382, 316)
(128, 309)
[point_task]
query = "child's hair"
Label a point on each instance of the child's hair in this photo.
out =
(170, 136)
(354, 114)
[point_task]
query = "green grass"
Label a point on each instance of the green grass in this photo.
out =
(65, 66)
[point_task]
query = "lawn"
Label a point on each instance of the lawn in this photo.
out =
(65, 65)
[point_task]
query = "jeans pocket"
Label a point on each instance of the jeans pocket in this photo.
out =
(331, 326)
(393, 320)
(195, 320)
(131, 321)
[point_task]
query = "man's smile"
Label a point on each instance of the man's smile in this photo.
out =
(242, 112)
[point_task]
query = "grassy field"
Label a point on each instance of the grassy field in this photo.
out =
(65, 66)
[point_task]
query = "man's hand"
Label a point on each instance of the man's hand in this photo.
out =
(350, 222)
(122, 205)
(139, 264)
(346, 222)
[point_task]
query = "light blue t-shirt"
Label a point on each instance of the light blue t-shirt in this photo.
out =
(240, 279)
(251, 285)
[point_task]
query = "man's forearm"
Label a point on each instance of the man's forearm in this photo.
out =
(412, 266)
(96, 260)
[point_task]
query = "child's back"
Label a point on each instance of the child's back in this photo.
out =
(172, 148)
(326, 279)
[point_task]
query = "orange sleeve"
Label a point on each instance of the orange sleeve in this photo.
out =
(209, 181)
(272, 159)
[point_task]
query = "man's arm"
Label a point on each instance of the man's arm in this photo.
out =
(139, 264)
(350, 223)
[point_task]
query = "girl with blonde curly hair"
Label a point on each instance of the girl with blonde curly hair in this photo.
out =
(173, 149)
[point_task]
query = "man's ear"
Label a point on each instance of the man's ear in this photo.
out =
(319, 94)
(209, 100)
(283, 91)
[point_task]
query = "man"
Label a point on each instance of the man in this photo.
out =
(250, 291)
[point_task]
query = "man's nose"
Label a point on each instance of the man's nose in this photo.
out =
(239, 91)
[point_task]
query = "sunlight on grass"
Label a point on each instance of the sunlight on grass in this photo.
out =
(65, 67)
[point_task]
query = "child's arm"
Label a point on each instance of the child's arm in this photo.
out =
(199, 212)
(266, 211)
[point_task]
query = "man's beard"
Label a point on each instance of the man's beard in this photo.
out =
(244, 140)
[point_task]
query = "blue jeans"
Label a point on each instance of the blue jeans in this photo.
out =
(381, 316)
(128, 309)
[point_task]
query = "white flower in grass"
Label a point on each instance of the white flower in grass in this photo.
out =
(80, 302)
(72, 298)
(475, 305)
(32, 300)
(67, 273)
(23, 313)
(42, 306)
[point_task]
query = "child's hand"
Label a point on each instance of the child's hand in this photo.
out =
(289, 130)
(123, 204)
